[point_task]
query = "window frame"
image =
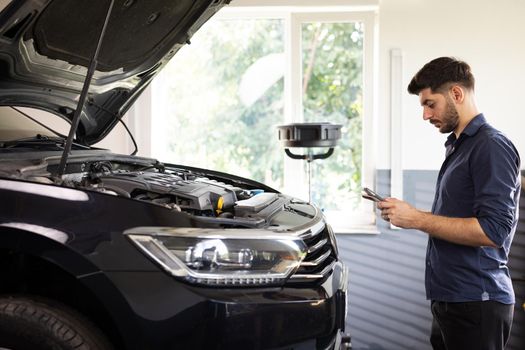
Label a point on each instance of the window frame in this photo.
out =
(295, 181)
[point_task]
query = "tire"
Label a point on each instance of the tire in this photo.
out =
(28, 323)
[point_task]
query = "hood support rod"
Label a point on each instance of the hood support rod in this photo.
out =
(83, 95)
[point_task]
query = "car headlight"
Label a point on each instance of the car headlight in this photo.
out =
(222, 257)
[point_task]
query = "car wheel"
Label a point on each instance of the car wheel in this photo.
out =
(37, 323)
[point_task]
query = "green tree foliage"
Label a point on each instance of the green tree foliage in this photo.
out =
(207, 116)
(251, 129)
(332, 90)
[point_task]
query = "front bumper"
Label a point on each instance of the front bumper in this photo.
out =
(173, 315)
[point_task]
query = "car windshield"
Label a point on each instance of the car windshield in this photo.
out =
(15, 125)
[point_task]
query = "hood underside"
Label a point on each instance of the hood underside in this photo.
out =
(46, 45)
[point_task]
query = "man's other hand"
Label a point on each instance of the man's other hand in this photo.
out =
(400, 213)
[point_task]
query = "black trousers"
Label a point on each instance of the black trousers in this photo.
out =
(478, 325)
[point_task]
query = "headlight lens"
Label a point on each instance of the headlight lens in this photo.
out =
(222, 257)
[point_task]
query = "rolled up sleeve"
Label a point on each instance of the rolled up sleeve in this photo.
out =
(495, 169)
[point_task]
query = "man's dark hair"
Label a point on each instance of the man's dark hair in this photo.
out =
(439, 73)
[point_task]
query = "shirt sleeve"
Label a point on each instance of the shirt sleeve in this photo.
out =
(495, 169)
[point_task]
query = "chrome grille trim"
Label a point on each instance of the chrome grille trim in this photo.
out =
(317, 261)
(317, 246)
(313, 230)
(315, 276)
(320, 256)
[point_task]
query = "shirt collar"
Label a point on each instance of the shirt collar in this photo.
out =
(470, 130)
(474, 125)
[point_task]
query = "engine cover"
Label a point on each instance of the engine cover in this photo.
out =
(199, 194)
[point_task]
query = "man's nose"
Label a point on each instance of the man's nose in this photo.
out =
(427, 113)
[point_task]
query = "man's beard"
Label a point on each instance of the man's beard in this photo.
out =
(450, 118)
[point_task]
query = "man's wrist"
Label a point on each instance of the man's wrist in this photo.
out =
(422, 220)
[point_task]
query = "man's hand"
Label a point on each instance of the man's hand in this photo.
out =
(400, 213)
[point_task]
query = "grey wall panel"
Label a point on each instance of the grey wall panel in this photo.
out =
(387, 307)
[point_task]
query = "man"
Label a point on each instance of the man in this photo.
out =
(473, 217)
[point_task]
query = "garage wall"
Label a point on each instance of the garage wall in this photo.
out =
(387, 308)
(487, 34)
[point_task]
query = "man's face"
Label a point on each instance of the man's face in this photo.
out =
(440, 110)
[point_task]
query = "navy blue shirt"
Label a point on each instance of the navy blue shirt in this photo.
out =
(479, 178)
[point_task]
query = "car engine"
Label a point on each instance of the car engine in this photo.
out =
(178, 189)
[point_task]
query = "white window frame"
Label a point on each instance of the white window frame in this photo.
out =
(295, 181)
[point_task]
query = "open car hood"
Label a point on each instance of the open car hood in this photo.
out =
(46, 47)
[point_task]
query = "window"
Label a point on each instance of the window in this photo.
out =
(222, 96)
(217, 103)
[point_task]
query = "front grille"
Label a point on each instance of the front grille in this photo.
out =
(320, 258)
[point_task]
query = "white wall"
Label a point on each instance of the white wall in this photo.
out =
(487, 34)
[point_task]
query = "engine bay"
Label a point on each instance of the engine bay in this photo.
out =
(206, 197)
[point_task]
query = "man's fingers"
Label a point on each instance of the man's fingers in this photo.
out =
(385, 204)
(385, 214)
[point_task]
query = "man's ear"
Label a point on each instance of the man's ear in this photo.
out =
(457, 93)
